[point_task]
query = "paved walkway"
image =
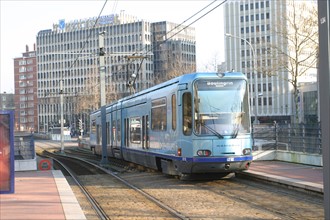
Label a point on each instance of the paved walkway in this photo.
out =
(40, 195)
(297, 175)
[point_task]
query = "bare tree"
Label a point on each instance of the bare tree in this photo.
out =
(90, 100)
(213, 64)
(299, 49)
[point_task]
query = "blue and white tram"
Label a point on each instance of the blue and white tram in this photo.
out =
(195, 123)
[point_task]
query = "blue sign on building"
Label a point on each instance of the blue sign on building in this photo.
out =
(7, 166)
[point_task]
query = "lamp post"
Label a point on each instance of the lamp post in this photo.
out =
(256, 121)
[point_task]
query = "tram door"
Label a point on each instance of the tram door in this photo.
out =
(116, 133)
(145, 132)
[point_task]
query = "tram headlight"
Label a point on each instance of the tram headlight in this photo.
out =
(204, 153)
(247, 151)
(179, 152)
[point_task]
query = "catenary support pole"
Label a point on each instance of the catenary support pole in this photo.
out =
(104, 159)
(62, 118)
(324, 85)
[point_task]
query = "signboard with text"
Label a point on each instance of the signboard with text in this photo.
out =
(7, 168)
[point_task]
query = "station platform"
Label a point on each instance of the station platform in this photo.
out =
(40, 195)
(302, 176)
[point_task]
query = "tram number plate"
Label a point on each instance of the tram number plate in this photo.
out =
(230, 159)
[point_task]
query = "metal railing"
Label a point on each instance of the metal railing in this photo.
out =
(24, 147)
(290, 137)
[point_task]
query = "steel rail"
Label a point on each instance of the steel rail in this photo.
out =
(98, 209)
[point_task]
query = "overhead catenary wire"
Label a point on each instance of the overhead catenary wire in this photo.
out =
(89, 35)
(185, 27)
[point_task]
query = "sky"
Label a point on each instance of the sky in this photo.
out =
(21, 20)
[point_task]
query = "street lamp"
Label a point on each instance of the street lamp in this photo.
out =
(256, 121)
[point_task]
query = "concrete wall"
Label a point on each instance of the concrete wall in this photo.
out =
(25, 165)
(289, 156)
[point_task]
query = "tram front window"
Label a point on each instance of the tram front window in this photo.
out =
(221, 108)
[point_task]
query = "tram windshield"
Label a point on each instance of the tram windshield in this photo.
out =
(221, 107)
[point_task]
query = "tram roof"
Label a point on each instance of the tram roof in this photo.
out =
(185, 78)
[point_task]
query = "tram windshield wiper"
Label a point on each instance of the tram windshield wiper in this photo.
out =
(212, 130)
(235, 131)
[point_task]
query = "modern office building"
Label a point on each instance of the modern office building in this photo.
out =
(68, 56)
(26, 102)
(174, 49)
(255, 32)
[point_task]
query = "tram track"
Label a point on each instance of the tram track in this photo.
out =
(277, 200)
(96, 206)
(199, 199)
(65, 161)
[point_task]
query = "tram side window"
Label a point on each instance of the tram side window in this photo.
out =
(135, 130)
(98, 134)
(118, 130)
(126, 128)
(108, 132)
(173, 112)
(93, 129)
(158, 115)
(187, 113)
(113, 131)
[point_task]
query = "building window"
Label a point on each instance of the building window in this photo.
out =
(265, 101)
(22, 69)
(262, 27)
(269, 87)
(22, 62)
(269, 62)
